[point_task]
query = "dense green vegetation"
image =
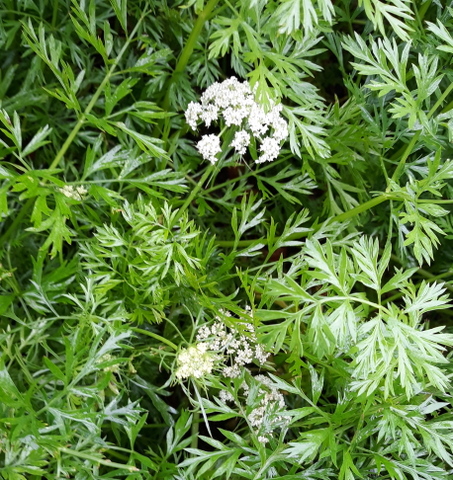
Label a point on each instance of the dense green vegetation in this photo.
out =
(226, 237)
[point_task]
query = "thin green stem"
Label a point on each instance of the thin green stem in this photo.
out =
(55, 13)
(97, 460)
(433, 200)
(440, 101)
(188, 48)
(339, 218)
(155, 336)
(60, 154)
(399, 170)
(362, 208)
(195, 430)
(94, 99)
(251, 173)
(182, 64)
(17, 221)
(192, 195)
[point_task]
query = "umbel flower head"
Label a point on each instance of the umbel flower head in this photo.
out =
(194, 361)
(222, 350)
(233, 103)
(76, 193)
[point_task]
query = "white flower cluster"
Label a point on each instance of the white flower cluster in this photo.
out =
(240, 349)
(266, 416)
(234, 102)
(218, 345)
(76, 193)
(194, 361)
(107, 358)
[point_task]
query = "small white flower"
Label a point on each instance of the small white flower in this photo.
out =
(203, 333)
(225, 396)
(234, 116)
(241, 141)
(107, 358)
(210, 114)
(274, 113)
(262, 439)
(235, 103)
(280, 127)
(261, 355)
(266, 416)
(76, 193)
(245, 387)
(226, 344)
(256, 417)
(257, 120)
(244, 355)
(195, 362)
(192, 114)
(265, 380)
(232, 372)
(270, 148)
(209, 147)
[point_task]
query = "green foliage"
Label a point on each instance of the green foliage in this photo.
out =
(311, 293)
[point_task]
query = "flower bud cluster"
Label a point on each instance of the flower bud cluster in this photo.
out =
(194, 361)
(236, 347)
(76, 193)
(234, 103)
(219, 345)
(265, 416)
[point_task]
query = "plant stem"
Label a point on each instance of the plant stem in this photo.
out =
(339, 218)
(188, 49)
(74, 132)
(94, 99)
(195, 430)
(362, 208)
(197, 188)
(184, 58)
(96, 460)
(399, 170)
(17, 220)
(155, 336)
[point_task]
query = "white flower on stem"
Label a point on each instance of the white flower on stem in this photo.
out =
(225, 396)
(239, 349)
(210, 114)
(232, 372)
(270, 148)
(235, 116)
(203, 333)
(228, 93)
(192, 114)
(256, 417)
(267, 415)
(76, 193)
(209, 147)
(280, 127)
(258, 120)
(261, 355)
(234, 102)
(241, 141)
(194, 361)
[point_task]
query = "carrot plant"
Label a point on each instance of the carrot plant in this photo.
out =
(225, 239)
